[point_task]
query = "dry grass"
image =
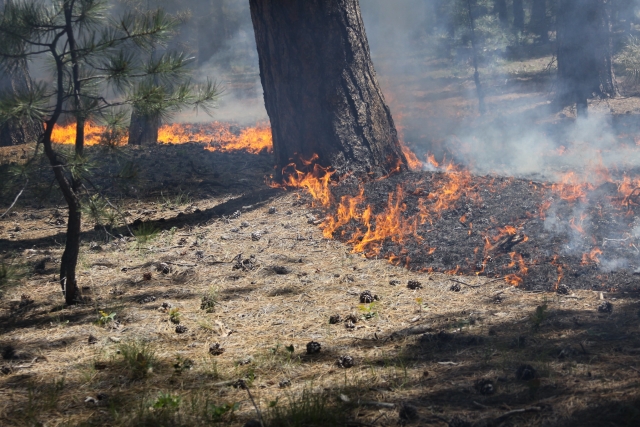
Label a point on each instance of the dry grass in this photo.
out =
(583, 358)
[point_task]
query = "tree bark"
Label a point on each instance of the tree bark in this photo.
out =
(320, 88)
(17, 132)
(518, 16)
(500, 8)
(143, 129)
(538, 24)
(584, 52)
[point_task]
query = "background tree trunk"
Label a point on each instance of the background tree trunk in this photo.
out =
(143, 129)
(320, 88)
(538, 24)
(500, 8)
(584, 52)
(211, 27)
(518, 16)
(15, 132)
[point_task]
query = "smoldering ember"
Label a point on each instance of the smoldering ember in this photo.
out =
(305, 213)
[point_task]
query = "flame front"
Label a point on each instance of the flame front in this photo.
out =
(218, 136)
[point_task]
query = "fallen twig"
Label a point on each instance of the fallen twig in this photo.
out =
(242, 384)
(15, 200)
(514, 412)
(480, 405)
(416, 330)
(376, 404)
(463, 283)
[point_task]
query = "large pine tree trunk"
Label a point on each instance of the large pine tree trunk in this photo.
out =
(143, 129)
(320, 88)
(15, 132)
(584, 52)
(538, 24)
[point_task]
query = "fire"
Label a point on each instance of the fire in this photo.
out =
(317, 182)
(412, 159)
(67, 134)
(571, 188)
(218, 136)
(591, 257)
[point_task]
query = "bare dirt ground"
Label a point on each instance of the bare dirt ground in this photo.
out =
(248, 279)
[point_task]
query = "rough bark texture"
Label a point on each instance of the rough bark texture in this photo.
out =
(584, 52)
(500, 8)
(16, 132)
(518, 16)
(539, 25)
(320, 88)
(143, 129)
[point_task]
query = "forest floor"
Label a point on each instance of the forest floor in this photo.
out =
(249, 280)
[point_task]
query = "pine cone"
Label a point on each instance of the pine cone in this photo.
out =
(485, 386)
(526, 372)
(367, 297)
(336, 318)
(181, 329)
(215, 349)
(164, 268)
(455, 288)
(345, 361)
(414, 284)
(284, 383)
(563, 290)
(351, 318)
(256, 235)
(313, 347)
(605, 307)
(272, 210)
(408, 413)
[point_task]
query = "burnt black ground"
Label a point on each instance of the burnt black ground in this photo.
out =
(553, 251)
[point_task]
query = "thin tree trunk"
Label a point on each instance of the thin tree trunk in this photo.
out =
(320, 88)
(584, 52)
(474, 48)
(143, 129)
(211, 28)
(500, 8)
(518, 16)
(538, 24)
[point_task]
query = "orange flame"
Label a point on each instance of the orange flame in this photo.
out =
(219, 136)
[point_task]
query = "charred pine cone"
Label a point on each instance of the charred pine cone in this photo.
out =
(562, 290)
(605, 307)
(336, 318)
(408, 413)
(455, 288)
(485, 386)
(414, 284)
(526, 372)
(313, 347)
(367, 297)
(181, 329)
(215, 349)
(244, 264)
(345, 362)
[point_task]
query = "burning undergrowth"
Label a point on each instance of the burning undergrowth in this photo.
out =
(537, 235)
